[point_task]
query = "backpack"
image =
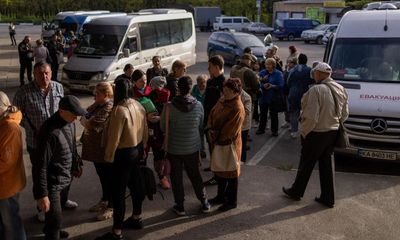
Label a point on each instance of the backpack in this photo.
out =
(148, 181)
(238, 72)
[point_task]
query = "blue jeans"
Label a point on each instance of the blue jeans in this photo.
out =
(11, 227)
(294, 120)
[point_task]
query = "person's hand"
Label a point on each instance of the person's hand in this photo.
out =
(153, 117)
(267, 86)
(44, 204)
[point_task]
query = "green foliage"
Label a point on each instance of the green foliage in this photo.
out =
(34, 10)
(358, 4)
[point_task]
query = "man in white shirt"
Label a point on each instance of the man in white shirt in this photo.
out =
(319, 125)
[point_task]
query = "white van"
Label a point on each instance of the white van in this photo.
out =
(48, 28)
(108, 44)
(227, 23)
(364, 56)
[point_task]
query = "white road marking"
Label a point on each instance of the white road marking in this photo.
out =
(259, 156)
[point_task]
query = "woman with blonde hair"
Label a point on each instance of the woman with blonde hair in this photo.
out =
(94, 123)
(178, 69)
(12, 170)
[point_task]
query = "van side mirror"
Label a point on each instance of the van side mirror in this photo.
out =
(126, 52)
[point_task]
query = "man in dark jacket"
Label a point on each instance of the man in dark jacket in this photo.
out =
(51, 171)
(248, 77)
(25, 52)
(212, 94)
(54, 49)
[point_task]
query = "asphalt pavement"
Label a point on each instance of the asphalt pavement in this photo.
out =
(366, 207)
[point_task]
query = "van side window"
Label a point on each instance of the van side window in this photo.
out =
(237, 20)
(227, 20)
(131, 44)
(245, 20)
(162, 33)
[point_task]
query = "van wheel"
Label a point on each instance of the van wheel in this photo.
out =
(319, 40)
(290, 37)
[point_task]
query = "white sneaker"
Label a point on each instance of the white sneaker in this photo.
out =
(41, 217)
(293, 135)
(70, 204)
(285, 125)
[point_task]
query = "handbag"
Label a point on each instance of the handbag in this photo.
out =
(278, 102)
(224, 158)
(342, 139)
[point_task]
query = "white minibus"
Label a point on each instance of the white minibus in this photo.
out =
(108, 44)
(364, 56)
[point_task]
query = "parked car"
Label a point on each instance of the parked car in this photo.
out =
(230, 45)
(390, 5)
(327, 35)
(227, 23)
(258, 28)
(292, 28)
(317, 33)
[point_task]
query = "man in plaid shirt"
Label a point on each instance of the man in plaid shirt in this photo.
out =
(38, 100)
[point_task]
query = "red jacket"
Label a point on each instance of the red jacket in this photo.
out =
(137, 94)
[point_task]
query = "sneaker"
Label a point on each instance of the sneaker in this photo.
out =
(285, 125)
(164, 183)
(293, 135)
(275, 134)
(41, 217)
(131, 223)
(110, 236)
(180, 211)
(70, 204)
(106, 214)
(100, 206)
(205, 207)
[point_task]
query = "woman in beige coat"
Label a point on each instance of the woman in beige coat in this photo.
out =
(224, 127)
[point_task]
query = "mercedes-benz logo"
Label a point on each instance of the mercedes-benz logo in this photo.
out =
(378, 125)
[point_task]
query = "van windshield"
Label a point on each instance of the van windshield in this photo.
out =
(374, 60)
(102, 40)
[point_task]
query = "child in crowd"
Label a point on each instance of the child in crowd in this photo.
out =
(199, 92)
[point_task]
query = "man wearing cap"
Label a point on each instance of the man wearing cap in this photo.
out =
(323, 106)
(248, 77)
(51, 171)
(38, 100)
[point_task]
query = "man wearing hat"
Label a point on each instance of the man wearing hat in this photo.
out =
(323, 106)
(51, 171)
(248, 77)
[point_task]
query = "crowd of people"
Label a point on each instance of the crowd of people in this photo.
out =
(167, 113)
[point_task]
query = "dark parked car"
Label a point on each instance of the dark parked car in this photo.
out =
(292, 28)
(230, 45)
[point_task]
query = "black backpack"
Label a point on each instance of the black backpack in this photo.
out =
(148, 181)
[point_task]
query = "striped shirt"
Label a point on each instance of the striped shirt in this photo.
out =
(37, 107)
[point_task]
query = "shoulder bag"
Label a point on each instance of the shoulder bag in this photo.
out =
(224, 157)
(342, 139)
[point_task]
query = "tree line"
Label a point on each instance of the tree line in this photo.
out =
(19, 10)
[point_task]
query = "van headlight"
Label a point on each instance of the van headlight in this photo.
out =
(101, 76)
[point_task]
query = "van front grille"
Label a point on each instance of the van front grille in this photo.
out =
(379, 127)
(77, 75)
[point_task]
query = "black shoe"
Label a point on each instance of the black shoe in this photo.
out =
(110, 236)
(179, 210)
(259, 132)
(275, 134)
(210, 182)
(287, 191)
(323, 202)
(203, 154)
(227, 206)
(216, 201)
(208, 169)
(131, 223)
(64, 234)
